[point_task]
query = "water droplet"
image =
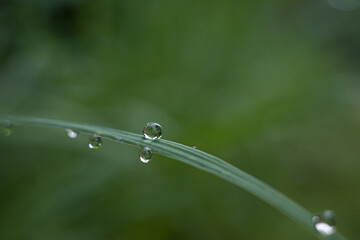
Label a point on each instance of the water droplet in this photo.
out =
(152, 131)
(194, 147)
(95, 142)
(7, 128)
(145, 154)
(117, 139)
(72, 133)
(325, 222)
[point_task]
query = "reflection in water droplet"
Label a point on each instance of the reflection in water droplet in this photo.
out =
(95, 142)
(72, 133)
(7, 128)
(194, 147)
(152, 131)
(325, 223)
(145, 154)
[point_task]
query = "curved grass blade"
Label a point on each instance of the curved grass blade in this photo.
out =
(196, 158)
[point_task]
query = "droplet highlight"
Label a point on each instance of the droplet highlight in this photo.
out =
(72, 133)
(7, 128)
(95, 142)
(145, 154)
(194, 147)
(152, 131)
(324, 223)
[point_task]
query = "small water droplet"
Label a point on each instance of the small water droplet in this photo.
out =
(152, 131)
(7, 128)
(145, 154)
(194, 147)
(72, 133)
(325, 222)
(95, 142)
(118, 139)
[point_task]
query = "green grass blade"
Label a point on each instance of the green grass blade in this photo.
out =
(196, 158)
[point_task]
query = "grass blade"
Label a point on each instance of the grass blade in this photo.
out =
(196, 158)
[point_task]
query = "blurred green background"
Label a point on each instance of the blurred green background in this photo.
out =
(271, 87)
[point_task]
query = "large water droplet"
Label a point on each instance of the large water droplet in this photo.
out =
(95, 142)
(152, 131)
(325, 222)
(72, 133)
(7, 128)
(145, 154)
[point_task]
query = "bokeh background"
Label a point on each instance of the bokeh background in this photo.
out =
(271, 87)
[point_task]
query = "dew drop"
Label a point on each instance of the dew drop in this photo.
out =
(152, 131)
(145, 154)
(7, 128)
(95, 142)
(117, 139)
(325, 222)
(194, 147)
(72, 133)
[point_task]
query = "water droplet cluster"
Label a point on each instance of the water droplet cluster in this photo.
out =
(324, 222)
(151, 131)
